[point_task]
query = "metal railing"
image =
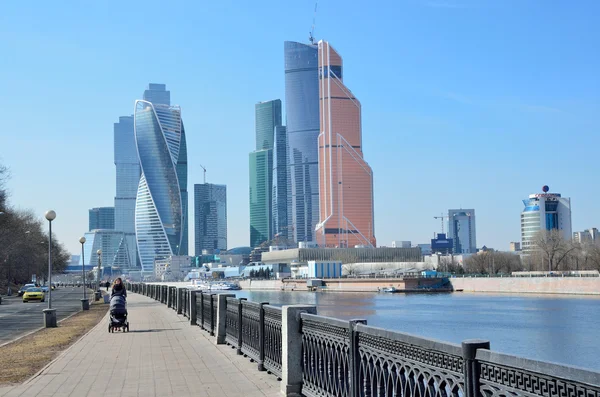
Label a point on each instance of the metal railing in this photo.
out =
(350, 358)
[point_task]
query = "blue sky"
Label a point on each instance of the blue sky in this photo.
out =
(466, 103)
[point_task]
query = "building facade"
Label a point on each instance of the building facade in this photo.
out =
(210, 217)
(161, 209)
(461, 229)
(113, 243)
(280, 184)
(345, 178)
(302, 123)
(267, 118)
(128, 173)
(544, 212)
(102, 218)
(514, 246)
(587, 236)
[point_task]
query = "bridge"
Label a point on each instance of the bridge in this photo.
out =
(186, 342)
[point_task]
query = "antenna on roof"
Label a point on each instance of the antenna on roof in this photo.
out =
(311, 36)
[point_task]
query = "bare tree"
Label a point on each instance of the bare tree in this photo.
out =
(555, 249)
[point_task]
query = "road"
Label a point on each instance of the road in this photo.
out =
(18, 318)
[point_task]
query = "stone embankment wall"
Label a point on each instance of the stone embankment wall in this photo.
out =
(530, 285)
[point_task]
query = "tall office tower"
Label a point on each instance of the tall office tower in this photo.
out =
(544, 211)
(158, 94)
(268, 116)
(160, 212)
(461, 229)
(302, 123)
(280, 184)
(127, 178)
(102, 218)
(345, 178)
(210, 217)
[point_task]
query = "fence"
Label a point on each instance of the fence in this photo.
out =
(318, 356)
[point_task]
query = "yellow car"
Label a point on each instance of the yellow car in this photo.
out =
(34, 294)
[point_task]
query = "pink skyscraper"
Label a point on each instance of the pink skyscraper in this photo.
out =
(345, 178)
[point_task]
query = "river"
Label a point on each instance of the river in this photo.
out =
(560, 329)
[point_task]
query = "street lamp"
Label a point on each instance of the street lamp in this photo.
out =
(85, 303)
(49, 313)
(99, 253)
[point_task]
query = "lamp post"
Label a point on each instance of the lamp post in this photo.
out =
(49, 313)
(85, 303)
(99, 253)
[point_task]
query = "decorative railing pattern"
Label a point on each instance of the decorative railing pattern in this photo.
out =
(232, 325)
(272, 339)
(325, 356)
(503, 375)
(207, 313)
(396, 364)
(348, 358)
(251, 329)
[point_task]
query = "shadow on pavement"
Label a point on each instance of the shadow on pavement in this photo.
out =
(153, 330)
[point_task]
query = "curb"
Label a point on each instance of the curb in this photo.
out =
(64, 351)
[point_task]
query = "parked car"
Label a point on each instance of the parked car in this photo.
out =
(45, 288)
(25, 288)
(34, 293)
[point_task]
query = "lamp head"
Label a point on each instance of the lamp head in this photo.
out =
(82, 240)
(99, 252)
(50, 215)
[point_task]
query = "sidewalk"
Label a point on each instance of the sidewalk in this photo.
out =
(162, 355)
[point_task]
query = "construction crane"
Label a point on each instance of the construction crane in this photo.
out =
(442, 219)
(204, 173)
(311, 34)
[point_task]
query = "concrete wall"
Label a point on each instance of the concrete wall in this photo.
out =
(534, 285)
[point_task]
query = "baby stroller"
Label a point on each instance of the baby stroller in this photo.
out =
(118, 314)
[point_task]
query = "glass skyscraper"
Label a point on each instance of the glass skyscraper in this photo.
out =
(127, 179)
(280, 183)
(102, 218)
(267, 118)
(113, 245)
(461, 229)
(544, 212)
(302, 122)
(345, 178)
(161, 207)
(210, 217)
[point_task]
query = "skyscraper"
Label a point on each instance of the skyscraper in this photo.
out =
(461, 229)
(544, 211)
(161, 211)
(127, 179)
(280, 184)
(102, 218)
(302, 122)
(267, 117)
(345, 178)
(210, 217)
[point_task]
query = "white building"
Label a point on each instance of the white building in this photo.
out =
(175, 266)
(587, 236)
(544, 211)
(401, 244)
(461, 229)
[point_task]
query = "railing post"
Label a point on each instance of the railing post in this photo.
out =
(222, 317)
(201, 310)
(291, 348)
(179, 299)
(261, 337)
(354, 357)
(168, 296)
(240, 333)
(471, 366)
(212, 316)
(193, 308)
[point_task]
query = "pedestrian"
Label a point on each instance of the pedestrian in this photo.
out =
(107, 285)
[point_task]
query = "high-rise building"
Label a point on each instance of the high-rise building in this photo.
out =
(161, 210)
(514, 246)
(114, 248)
(280, 184)
(267, 117)
(461, 229)
(345, 178)
(587, 236)
(544, 212)
(210, 217)
(302, 123)
(128, 174)
(102, 218)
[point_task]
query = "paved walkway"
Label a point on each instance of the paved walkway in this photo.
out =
(162, 355)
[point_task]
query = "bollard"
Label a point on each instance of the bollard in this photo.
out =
(291, 344)
(471, 367)
(222, 316)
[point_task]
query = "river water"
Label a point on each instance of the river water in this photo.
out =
(561, 329)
